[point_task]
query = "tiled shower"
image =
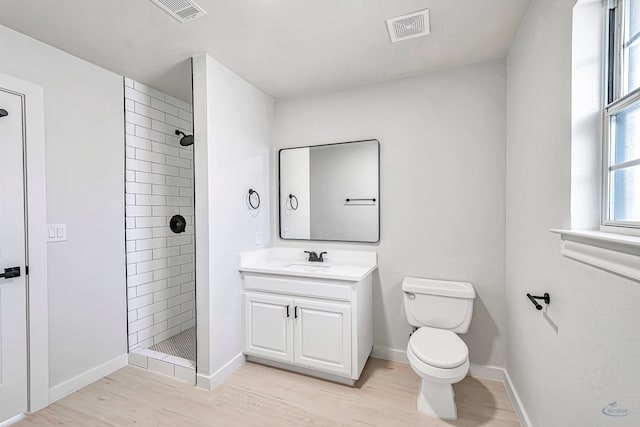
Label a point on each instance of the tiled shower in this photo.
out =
(160, 262)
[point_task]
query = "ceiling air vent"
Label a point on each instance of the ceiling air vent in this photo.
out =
(182, 10)
(409, 26)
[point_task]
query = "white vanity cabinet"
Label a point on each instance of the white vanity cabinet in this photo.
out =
(311, 333)
(308, 319)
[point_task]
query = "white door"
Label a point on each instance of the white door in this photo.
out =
(13, 308)
(323, 336)
(269, 327)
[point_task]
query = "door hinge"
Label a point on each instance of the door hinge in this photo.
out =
(26, 270)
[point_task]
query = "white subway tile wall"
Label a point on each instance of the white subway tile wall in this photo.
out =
(159, 184)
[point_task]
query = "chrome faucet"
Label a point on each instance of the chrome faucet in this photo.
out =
(314, 257)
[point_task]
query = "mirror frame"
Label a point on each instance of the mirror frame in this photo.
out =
(280, 194)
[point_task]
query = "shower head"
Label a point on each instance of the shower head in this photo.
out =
(186, 140)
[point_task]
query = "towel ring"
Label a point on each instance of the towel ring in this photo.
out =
(254, 205)
(292, 197)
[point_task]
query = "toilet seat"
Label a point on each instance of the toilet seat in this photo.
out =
(438, 348)
(438, 355)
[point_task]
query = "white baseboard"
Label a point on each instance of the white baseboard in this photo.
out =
(209, 382)
(475, 370)
(525, 421)
(13, 420)
(390, 354)
(86, 378)
(487, 372)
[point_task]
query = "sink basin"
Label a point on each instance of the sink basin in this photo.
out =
(309, 267)
(310, 264)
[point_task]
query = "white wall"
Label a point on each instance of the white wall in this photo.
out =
(442, 143)
(233, 128)
(566, 366)
(85, 180)
(294, 179)
(587, 76)
(159, 185)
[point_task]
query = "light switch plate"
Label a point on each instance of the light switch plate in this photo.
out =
(57, 233)
(258, 238)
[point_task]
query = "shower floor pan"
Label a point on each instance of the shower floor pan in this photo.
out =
(180, 345)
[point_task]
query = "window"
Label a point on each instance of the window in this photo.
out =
(622, 116)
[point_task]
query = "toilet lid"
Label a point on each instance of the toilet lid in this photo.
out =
(438, 347)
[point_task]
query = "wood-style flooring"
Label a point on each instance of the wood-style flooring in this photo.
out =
(257, 395)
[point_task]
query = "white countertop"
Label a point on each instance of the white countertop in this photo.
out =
(339, 265)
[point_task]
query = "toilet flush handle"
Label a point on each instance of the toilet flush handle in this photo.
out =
(410, 295)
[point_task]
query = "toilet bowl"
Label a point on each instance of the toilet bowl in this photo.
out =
(441, 359)
(439, 310)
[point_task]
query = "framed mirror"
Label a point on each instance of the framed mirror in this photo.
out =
(330, 192)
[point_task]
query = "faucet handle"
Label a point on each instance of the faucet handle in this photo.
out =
(312, 255)
(320, 256)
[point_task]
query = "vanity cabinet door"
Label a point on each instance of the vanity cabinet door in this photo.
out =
(269, 327)
(323, 336)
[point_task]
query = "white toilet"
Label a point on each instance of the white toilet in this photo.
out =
(441, 310)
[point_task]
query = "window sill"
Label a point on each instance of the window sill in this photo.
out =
(616, 253)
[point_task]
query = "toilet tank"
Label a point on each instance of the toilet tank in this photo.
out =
(439, 304)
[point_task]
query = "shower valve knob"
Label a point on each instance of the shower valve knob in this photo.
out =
(178, 224)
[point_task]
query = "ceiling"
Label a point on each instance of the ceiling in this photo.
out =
(283, 47)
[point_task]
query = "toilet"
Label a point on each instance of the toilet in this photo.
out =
(440, 310)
